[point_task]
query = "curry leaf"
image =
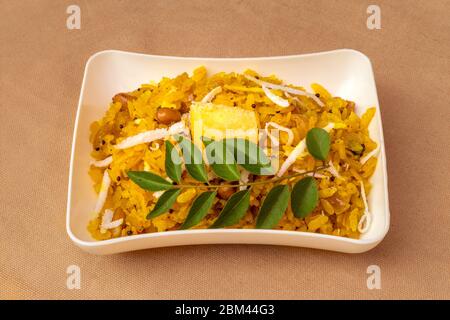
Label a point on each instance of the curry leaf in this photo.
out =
(193, 159)
(164, 203)
(172, 162)
(273, 207)
(234, 209)
(199, 209)
(149, 181)
(318, 143)
(250, 156)
(305, 196)
(221, 161)
(206, 141)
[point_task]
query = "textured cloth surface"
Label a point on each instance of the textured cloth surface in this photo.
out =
(41, 69)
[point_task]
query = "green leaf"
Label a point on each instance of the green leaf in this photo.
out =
(149, 181)
(164, 203)
(234, 209)
(318, 143)
(273, 207)
(250, 156)
(206, 141)
(172, 162)
(305, 196)
(221, 160)
(193, 159)
(199, 209)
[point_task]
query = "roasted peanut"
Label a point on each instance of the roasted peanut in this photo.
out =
(225, 192)
(167, 116)
(123, 98)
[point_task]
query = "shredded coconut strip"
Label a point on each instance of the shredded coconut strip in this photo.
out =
(179, 128)
(274, 98)
(298, 150)
(293, 98)
(106, 182)
(284, 88)
(143, 137)
(332, 169)
(210, 95)
(107, 222)
(279, 127)
(102, 163)
(158, 194)
(244, 178)
(107, 217)
(366, 219)
(372, 153)
(155, 147)
(311, 174)
(152, 135)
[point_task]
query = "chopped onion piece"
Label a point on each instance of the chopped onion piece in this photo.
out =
(279, 127)
(285, 88)
(332, 169)
(102, 163)
(210, 95)
(106, 182)
(274, 98)
(299, 149)
(372, 153)
(366, 219)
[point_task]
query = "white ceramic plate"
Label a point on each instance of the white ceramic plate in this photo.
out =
(346, 73)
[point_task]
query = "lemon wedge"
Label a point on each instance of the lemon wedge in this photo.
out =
(219, 122)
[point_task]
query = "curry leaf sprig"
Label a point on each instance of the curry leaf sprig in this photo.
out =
(224, 158)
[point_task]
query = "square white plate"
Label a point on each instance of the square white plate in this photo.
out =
(345, 73)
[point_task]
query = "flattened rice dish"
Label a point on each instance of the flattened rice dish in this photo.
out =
(231, 150)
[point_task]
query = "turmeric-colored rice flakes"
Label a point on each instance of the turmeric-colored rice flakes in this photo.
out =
(340, 206)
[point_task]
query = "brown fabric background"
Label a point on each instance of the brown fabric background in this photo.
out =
(40, 77)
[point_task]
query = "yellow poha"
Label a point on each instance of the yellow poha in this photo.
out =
(340, 207)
